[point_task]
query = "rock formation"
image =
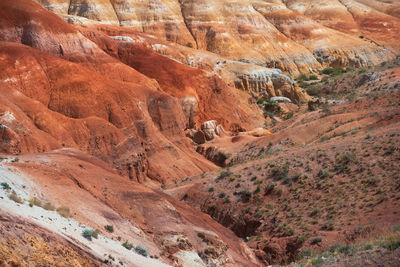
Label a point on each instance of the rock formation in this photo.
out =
(294, 36)
(60, 89)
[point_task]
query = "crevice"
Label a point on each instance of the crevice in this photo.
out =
(116, 13)
(69, 7)
(351, 13)
(187, 24)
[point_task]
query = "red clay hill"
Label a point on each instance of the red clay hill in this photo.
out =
(60, 89)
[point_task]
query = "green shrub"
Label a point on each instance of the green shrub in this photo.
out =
(227, 200)
(345, 250)
(368, 247)
(127, 245)
(109, 228)
(87, 233)
(279, 172)
(392, 243)
(279, 192)
(328, 226)
(305, 254)
(317, 262)
(5, 186)
(314, 212)
(287, 230)
(334, 248)
(211, 189)
(269, 189)
(315, 241)
(142, 251)
(260, 101)
(245, 195)
(323, 174)
(333, 71)
(225, 173)
(302, 77)
(271, 106)
(270, 114)
(222, 195)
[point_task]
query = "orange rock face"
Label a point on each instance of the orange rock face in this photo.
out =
(295, 36)
(60, 89)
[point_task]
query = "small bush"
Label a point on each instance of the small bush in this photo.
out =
(345, 250)
(109, 228)
(5, 186)
(245, 196)
(48, 206)
(372, 181)
(314, 212)
(269, 189)
(303, 77)
(323, 174)
(334, 248)
(317, 262)
(87, 233)
(142, 251)
(127, 245)
(333, 71)
(222, 195)
(315, 241)
(279, 192)
(225, 173)
(368, 247)
(227, 200)
(328, 226)
(211, 189)
(279, 173)
(35, 202)
(96, 233)
(289, 116)
(13, 196)
(392, 244)
(270, 114)
(64, 211)
(305, 254)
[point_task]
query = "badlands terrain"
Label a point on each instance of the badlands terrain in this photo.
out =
(199, 133)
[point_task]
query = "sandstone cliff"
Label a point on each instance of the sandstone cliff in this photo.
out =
(295, 36)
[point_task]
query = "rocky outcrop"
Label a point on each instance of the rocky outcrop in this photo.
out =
(256, 80)
(211, 129)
